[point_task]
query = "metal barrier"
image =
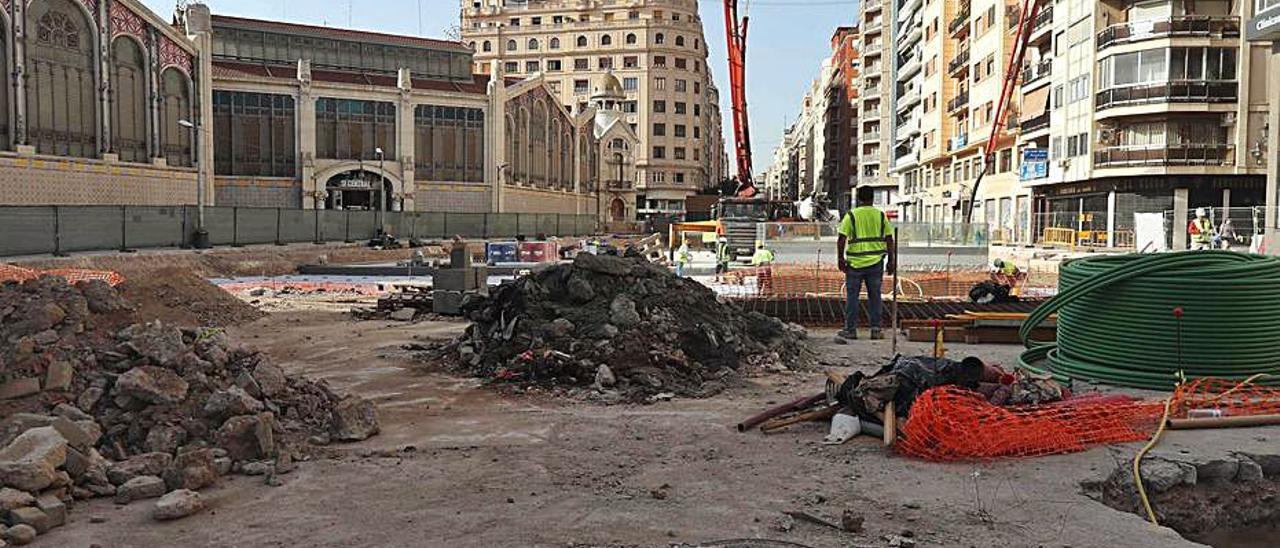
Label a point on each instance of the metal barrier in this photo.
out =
(33, 230)
(1065, 237)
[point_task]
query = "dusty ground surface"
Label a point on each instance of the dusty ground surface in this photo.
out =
(459, 465)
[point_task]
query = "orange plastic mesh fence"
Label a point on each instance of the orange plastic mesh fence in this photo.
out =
(952, 424)
(11, 273)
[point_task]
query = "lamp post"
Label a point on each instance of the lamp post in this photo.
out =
(381, 187)
(200, 240)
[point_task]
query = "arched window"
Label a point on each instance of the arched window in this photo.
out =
(631, 38)
(679, 40)
(555, 43)
(512, 146)
(538, 126)
(6, 134)
(566, 160)
(533, 44)
(487, 46)
(511, 45)
(582, 41)
(659, 38)
(696, 44)
(61, 104)
(606, 40)
(175, 105)
(128, 100)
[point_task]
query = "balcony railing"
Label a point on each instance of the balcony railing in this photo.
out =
(870, 158)
(1035, 124)
(1043, 19)
(961, 60)
(873, 5)
(868, 136)
(958, 141)
(1037, 71)
(1182, 154)
(960, 101)
(1181, 91)
(1209, 26)
(874, 26)
(960, 21)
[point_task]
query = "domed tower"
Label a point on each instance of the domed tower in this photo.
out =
(608, 97)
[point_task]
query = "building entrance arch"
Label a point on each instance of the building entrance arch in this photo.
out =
(359, 188)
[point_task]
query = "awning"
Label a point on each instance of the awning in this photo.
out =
(1034, 103)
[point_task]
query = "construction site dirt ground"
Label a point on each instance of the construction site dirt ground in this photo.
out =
(461, 465)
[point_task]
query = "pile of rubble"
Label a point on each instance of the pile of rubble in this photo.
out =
(621, 328)
(145, 411)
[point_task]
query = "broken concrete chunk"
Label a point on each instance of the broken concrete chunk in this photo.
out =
(13, 498)
(178, 504)
(405, 314)
(622, 311)
(31, 461)
(152, 384)
(270, 378)
(166, 438)
(258, 468)
(230, 402)
(160, 343)
(58, 375)
(21, 534)
(30, 515)
(354, 419)
(146, 464)
(89, 398)
(71, 412)
(75, 434)
(54, 508)
(19, 388)
(247, 437)
(192, 469)
(138, 488)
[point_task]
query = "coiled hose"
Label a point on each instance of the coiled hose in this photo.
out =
(1117, 322)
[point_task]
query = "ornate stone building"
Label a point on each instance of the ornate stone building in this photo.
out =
(91, 97)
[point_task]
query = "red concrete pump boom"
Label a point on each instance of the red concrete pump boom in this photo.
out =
(735, 31)
(1030, 8)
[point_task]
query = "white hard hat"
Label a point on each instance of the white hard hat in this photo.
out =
(1200, 212)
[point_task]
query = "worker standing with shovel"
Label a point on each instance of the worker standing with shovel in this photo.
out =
(865, 242)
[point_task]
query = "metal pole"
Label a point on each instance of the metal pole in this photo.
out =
(382, 186)
(202, 233)
(895, 295)
(57, 233)
(235, 226)
(317, 215)
(279, 214)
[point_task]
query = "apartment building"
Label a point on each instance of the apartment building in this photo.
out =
(874, 107)
(907, 110)
(1152, 107)
(654, 47)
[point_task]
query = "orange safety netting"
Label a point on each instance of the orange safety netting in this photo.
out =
(952, 424)
(11, 273)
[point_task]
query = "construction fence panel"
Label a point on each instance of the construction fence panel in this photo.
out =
(153, 226)
(26, 230)
(467, 225)
(548, 224)
(218, 221)
(87, 228)
(429, 225)
(500, 225)
(526, 224)
(333, 225)
(364, 224)
(255, 225)
(297, 225)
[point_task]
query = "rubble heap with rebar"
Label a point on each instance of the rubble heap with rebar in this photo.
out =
(621, 326)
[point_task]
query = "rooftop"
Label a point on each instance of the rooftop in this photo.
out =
(339, 33)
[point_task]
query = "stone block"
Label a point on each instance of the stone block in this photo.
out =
(58, 376)
(54, 508)
(18, 388)
(30, 515)
(448, 303)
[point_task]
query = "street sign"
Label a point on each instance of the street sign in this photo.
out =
(1035, 164)
(1265, 25)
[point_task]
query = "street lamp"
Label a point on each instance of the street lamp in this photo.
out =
(200, 240)
(381, 186)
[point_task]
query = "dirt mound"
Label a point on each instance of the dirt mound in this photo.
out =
(95, 407)
(179, 296)
(624, 326)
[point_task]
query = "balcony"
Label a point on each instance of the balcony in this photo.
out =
(1035, 124)
(959, 22)
(1182, 91)
(870, 136)
(872, 49)
(1044, 19)
(870, 158)
(1038, 71)
(908, 99)
(873, 6)
(874, 26)
(869, 93)
(961, 60)
(958, 142)
(1182, 154)
(1193, 26)
(960, 101)
(908, 68)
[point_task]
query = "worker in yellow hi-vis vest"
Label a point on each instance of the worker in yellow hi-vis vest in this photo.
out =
(864, 244)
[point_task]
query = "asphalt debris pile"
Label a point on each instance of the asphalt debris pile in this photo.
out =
(620, 328)
(144, 411)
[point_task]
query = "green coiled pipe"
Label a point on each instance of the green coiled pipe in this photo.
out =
(1117, 323)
